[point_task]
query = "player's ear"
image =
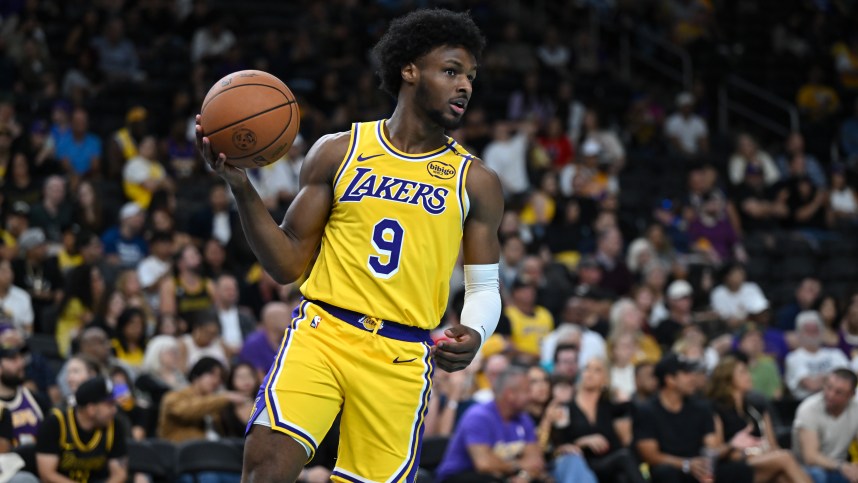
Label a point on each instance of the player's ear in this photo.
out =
(410, 72)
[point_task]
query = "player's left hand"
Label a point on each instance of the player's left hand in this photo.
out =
(459, 350)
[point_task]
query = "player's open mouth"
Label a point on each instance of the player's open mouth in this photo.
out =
(458, 106)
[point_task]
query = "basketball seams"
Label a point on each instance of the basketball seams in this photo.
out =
(285, 94)
(266, 111)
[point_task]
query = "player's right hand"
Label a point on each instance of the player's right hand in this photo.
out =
(232, 175)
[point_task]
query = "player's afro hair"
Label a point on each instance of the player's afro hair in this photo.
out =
(414, 35)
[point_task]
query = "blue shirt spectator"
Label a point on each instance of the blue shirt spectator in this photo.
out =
(77, 149)
(124, 244)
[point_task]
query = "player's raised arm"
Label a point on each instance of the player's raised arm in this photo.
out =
(482, 253)
(284, 250)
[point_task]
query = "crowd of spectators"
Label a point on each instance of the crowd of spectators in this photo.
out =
(655, 271)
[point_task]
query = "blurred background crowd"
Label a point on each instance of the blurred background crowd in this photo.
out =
(653, 227)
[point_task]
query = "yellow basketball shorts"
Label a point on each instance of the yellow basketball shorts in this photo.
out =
(377, 372)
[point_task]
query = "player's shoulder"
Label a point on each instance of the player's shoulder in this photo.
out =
(327, 153)
(483, 183)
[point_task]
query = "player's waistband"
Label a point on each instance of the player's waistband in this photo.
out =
(389, 329)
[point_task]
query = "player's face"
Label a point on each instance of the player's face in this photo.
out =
(445, 84)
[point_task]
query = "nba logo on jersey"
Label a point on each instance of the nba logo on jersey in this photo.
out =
(316, 321)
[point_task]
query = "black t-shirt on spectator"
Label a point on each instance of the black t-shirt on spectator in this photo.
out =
(678, 434)
(579, 426)
(745, 192)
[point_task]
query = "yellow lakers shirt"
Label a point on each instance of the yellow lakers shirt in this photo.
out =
(394, 232)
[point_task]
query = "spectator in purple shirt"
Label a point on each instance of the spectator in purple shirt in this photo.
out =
(260, 347)
(496, 441)
(713, 225)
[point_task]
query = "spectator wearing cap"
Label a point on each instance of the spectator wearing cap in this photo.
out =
(733, 298)
(16, 307)
(191, 413)
(17, 222)
(806, 298)
(529, 322)
(807, 366)
(125, 140)
(85, 442)
(825, 426)
(679, 304)
(748, 155)
(54, 212)
(142, 175)
(124, 244)
(842, 198)
(38, 273)
(79, 151)
(672, 430)
(27, 410)
(686, 131)
(765, 374)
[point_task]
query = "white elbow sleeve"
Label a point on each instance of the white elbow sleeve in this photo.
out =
(482, 307)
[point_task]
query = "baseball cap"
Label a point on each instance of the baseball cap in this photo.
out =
(684, 99)
(31, 238)
(673, 363)
(21, 208)
(679, 289)
(591, 148)
(129, 209)
(93, 391)
(588, 261)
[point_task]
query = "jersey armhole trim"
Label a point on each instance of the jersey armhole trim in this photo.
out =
(353, 142)
(462, 189)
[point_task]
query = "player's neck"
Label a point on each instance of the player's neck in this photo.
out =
(83, 422)
(411, 133)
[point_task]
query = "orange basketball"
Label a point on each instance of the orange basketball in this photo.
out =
(251, 117)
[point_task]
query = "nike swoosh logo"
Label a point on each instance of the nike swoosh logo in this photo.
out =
(397, 361)
(361, 158)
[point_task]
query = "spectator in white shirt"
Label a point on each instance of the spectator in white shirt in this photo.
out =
(686, 131)
(734, 299)
(156, 267)
(212, 40)
(572, 329)
(235, 324)
(277, 183)
(807, 366)
(506, 154)
(16, 307)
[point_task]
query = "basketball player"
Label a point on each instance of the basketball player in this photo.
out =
(390, 202)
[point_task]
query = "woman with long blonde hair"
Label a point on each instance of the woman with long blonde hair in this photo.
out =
(747, 425)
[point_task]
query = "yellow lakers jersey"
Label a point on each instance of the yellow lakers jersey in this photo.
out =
(394, 231)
